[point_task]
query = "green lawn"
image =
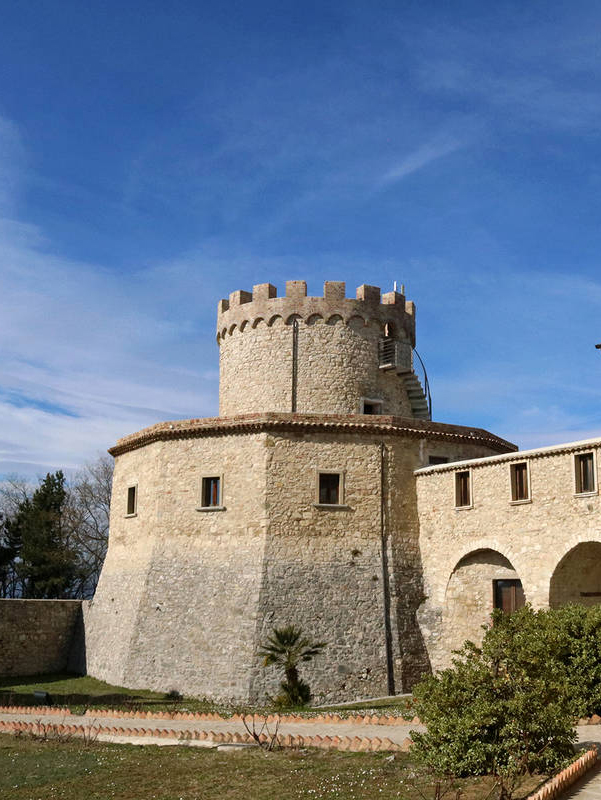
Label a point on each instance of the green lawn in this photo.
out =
(78, 693)
(33, 769)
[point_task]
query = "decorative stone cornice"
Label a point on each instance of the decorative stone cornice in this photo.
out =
(245, 310)
(517, 455)
(356, 424)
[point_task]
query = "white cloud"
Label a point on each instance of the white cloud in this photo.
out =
(421, 157)
(90, 354)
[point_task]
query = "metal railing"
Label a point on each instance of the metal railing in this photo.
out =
(399, 356)
(422, 376)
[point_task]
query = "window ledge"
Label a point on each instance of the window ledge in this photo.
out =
(586, 494)
(520, 502)
(332, 506)
(210, 508)
(463, 508)
(129, 516)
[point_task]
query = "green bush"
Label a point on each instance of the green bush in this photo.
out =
(286, 648)
(574, 636)
(504, 708)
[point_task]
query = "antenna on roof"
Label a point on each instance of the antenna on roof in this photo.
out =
(394, 286)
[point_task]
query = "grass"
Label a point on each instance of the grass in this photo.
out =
(31, 769)
(80, 692)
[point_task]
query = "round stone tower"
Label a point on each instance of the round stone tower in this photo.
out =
(321, 355)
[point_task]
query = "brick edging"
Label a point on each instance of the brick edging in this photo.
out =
(54, 710)
(564, 779)
(354, 744)
(327, 719)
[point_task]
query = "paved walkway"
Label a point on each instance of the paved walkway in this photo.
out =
(396, 733)
(586, 788)
(587, 734)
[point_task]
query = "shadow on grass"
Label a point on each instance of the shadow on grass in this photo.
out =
(76, 690)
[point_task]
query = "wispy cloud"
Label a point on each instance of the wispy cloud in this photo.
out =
(518, 77)
(421, 157)
(301, 166)
(88, 353)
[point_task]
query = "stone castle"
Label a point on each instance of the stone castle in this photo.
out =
(324, 496)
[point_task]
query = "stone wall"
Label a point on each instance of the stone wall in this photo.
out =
(187, 597)
(469, 595)
(322, 568)
(175, 606)
(337, 350)
(550, 542)
(38, 636)
(577, 577)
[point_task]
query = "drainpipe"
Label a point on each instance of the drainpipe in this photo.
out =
(294, 362)
(385, 576)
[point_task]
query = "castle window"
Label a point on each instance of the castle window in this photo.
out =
(211, 492)
(520, 484)
(132, 500)
(433, 460)
(463, 495)
(370, 406)
(330, 489)
(584, 467)
(508, 595)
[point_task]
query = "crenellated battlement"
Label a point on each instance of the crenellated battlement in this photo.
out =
(243, 309)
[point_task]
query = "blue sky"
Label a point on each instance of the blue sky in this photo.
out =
(156, 156)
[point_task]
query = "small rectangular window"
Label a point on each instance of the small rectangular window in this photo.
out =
(520, 489)
(329, 488)
(585, 473)
(369, 406)
(132, 500)
(508, 595)
(211, 492)
(462, 489)
(432, 460)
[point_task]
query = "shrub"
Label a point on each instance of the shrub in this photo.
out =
(574, 634)
(286, 648)
(503, 708)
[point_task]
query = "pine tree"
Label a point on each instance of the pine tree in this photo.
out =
(47, 565)
(10, 545)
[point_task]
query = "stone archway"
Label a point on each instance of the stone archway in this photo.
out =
(577, 577)
(480, 580)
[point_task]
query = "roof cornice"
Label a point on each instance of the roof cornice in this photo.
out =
(338, 423)
(518, 455)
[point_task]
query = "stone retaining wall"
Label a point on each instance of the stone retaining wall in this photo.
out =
(38, 636)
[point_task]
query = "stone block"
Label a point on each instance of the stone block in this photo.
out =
(240, 297)
(369, 294)
(264, 291)
(296, 289)
(393, 299)
(334, 291)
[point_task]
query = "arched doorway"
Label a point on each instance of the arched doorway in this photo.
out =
(577, 577)
(481, 581)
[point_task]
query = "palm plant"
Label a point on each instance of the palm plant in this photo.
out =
(286, 648)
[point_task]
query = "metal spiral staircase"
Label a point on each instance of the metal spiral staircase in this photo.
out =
(403, 359)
